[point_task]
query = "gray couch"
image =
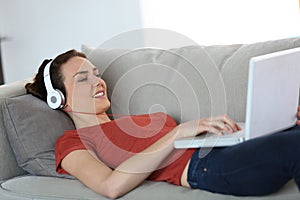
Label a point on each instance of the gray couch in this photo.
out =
(187, 82)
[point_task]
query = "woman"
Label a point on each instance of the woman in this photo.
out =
(112, 157)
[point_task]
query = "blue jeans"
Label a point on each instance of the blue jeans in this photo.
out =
(256, 167)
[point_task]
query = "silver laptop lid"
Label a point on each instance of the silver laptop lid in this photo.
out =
(272, 100)
(273, 82)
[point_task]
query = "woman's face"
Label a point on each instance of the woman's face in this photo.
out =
(86, 91)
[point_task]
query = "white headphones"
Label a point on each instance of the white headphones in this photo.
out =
(55, 97)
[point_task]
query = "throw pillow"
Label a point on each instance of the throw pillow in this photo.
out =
(32, 129)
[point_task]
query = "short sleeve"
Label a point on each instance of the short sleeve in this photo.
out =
(170, 121)
(68, 142)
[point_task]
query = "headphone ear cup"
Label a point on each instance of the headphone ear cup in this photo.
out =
(56, 99)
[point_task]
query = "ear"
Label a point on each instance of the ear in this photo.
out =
(67, 108)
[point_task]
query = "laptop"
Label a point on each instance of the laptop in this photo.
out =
(272, 101)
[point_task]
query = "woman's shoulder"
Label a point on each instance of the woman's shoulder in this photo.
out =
(68, 134)
(170, 121)
(71, 136)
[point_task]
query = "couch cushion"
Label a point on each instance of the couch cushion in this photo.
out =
(32, 129)
(34, 187)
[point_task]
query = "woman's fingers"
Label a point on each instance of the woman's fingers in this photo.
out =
(217, 125)
(215, 130)
(235, 127)
(225, 123)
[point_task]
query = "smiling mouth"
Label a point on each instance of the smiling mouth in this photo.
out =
(99, 94)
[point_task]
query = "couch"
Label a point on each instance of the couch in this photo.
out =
(186, 82)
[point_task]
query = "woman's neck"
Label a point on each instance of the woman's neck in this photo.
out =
(82, 120)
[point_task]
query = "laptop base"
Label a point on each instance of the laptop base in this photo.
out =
(210, 140)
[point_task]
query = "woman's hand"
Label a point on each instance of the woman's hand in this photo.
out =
(298, 115)
(217, 125)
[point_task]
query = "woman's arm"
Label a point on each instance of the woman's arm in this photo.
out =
(114, 183)
(128, 175)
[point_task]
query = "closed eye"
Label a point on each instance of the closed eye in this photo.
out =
(83, 79)
(83, 76)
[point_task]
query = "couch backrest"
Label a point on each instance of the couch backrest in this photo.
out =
(9, 166)
(187, 82)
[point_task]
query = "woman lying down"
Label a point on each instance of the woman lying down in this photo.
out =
(112, 157)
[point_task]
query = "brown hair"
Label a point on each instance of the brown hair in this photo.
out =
(37, 88)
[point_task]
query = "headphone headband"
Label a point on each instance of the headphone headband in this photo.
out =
(47, 79)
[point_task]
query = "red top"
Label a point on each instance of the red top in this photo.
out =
(116, 141)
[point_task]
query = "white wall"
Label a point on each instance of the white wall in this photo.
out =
(224, 21)
(41, 29)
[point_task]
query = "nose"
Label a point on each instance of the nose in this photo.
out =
(96, 81)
